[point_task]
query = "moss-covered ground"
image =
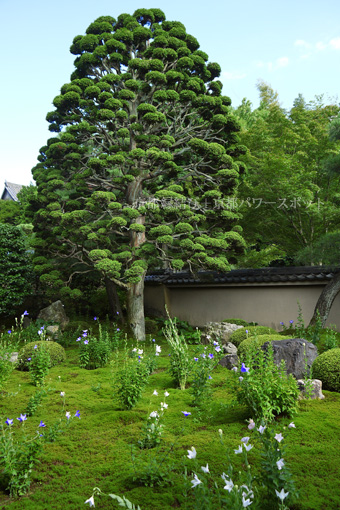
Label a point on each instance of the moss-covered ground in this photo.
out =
(95, 451)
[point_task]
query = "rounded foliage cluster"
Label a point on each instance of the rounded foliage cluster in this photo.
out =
(238, 322)
(326, 367)
(244, 346)
(55, 350)
(241, 334)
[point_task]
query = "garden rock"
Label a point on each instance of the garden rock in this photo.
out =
(296, 352)
(56, 313)
(14, 357)
(229, 361)
(53, 331)
(218, 331)
(316, 389)
(229, 348)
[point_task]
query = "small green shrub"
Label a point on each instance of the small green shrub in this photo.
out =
(239, 322)
(247, 344)
(151, 326)
(326, 367)
(180, 360)
(129, 381)
(94, 353)
(264, 387)
(288, 331)
(56, 352)
(39, 364)
(241, 334)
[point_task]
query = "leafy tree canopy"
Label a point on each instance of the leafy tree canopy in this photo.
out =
(288, 199)
(16, 276)
(147, 147)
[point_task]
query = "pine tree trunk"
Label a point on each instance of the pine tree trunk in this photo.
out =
(113, 299)
(135, 306)
(135, 293)
(325, 301)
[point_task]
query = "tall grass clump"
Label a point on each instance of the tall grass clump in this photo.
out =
(180, 360)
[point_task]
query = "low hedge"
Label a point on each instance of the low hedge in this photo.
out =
(238, 322)
(241, 334)
(259, 341)
(326, 367)
(56, 352)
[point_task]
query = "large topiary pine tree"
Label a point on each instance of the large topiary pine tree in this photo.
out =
(146, 152)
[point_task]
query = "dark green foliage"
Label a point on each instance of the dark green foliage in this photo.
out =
(16, 275)
(56, 352)
(241, 334)
(151, 326)
(10, 213)
(246, 345)
(326, 367)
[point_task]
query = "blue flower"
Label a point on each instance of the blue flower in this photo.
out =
(42, 424)
(196, 359)
(118, 329)
(86, 342)
(9, 331)
(78, 339)
(210, 355)
(186, 413)
(9, 422)
(209, 377)
(95, 318)
(22, 418)
(153, 340)
(29, 359)
(25, 313)
(291, 322)
(282, 323)
(244, 368)
(247, 331)
(35, 347)
(77, 415)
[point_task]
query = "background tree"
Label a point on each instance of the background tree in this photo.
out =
(10, 212)
(16, 276)
(147, 146)
(327, 249)
(288, 198)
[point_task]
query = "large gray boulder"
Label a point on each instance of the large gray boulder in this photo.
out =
(229, 361)
(218, 332)
(56, 313)
(297, 353)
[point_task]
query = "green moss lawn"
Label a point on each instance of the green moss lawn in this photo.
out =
(95, 451)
